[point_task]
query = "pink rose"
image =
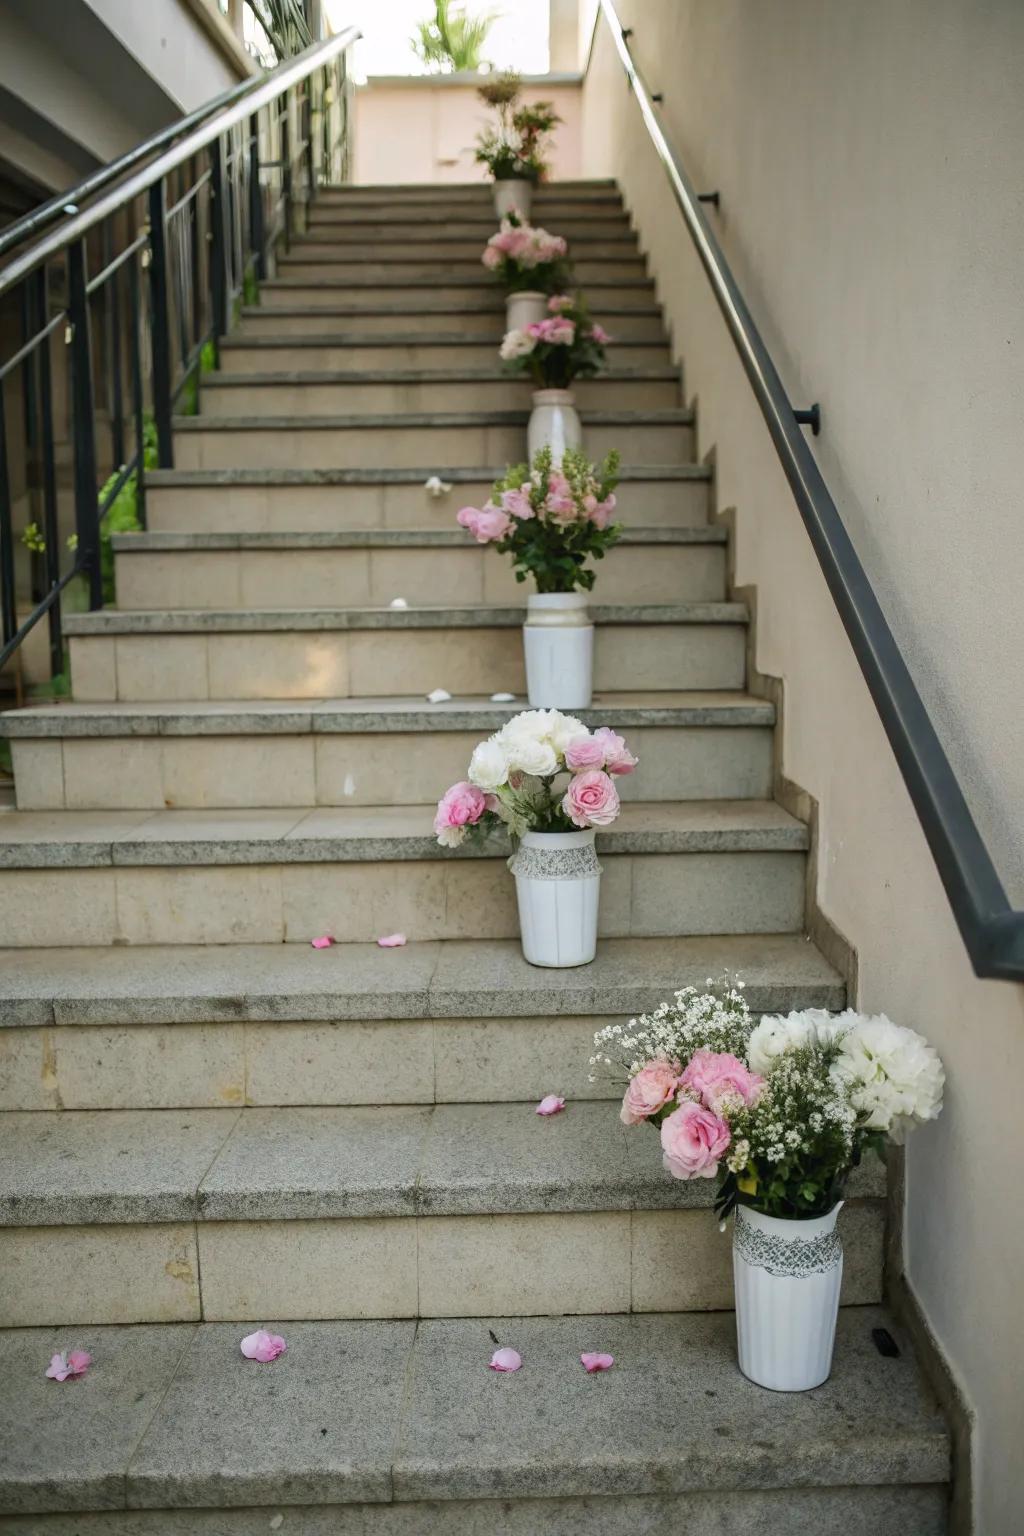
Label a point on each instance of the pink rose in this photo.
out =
(692, 1141)
(460, 806)
(517, 504)
(491, 257)
(591, 799)
(600, 335)
(617, 756)
(559, 302)
(484, 523)
(557, 332)
(600, 513)
(584, 753)
(718, 1077)
(652, 1088)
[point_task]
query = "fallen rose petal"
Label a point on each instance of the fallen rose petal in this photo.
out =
(551, 1104)
(392, 941)
(323, 942)
(438, 696)
(596, 1362)
(398, 602)
(503, 698)
(263, 1346)
(505, 1360)
(73, 1363)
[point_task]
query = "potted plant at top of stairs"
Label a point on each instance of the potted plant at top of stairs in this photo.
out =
(531, 264)
(552, 521)
(511, 783)
(567, 345)
(780, 1112)
(514, 150)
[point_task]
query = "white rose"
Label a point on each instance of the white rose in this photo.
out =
(564, 730)
(488, 767)
(776, 1035)
(516, 344)
(537, 758)
(890, 1075)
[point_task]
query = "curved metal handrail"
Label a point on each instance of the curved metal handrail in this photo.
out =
(992, 930)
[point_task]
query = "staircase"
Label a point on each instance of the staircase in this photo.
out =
(210, 1126)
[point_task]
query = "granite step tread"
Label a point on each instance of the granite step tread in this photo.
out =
(115, 1167)
(217, 381)
(407, 1411)
(669, 416)
(476, 277)
(394, 475)
(114, 621)
(388, 339)
(487, 305)
(66, 839)
(367, 716)
(480, 978)
(381, 538)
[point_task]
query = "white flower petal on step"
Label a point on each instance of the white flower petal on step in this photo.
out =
(503, 698)
(435, 486)
(438, 696)
(398, 602)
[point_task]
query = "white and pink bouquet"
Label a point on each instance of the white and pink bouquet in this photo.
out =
(779, 1111)
(525, 258)
(551, 521)
(513, 780)
(567, 345)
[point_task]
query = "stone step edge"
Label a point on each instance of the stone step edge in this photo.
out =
(382, 538)
(349, 835)
(675, 416)
(652, 375)
(113, 621)
(393, 339)
(185, 478)
(438, 307)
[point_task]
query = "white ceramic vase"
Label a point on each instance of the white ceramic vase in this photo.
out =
(558, 883)
(787, 1276)
(523, 309)
(558, 642)
(553, 423)
(514, 194)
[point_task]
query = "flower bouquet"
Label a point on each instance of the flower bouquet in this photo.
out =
(515, 780)
(780, 1112)
(531, 264)
(515, 149)
(567, 345)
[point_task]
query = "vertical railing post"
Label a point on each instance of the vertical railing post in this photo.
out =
(113, 339)
(51, 555)
(138, 399)
(286, 170)
(256, 239)
(8, 606)
(307, 136)
(83, 429)
(159, 324)
(218, 244)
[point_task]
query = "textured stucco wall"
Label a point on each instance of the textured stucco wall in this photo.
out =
(869, 161)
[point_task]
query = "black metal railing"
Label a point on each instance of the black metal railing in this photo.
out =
(113, 302)
(992, 930)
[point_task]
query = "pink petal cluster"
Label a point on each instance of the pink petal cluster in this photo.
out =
(550, 1104)
(262, 1346)
(505, 1360)
(719, 1079)
(557, 331)
(693, 1139)
(559, 302)
(72, 1362)
(323, 942)
(600, 512)
(591, 799)
(651, 1089)
(486, 523)
(523, 244)
(517, 504)
(392, 941)
(604, 749)
(596, 1362)
(460, 806)
(599, 334)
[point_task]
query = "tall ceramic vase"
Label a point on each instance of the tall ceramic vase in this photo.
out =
(513, 194)
(787, 1276)
(553, 423)
(558, 884)
(558, 642)
(525, 308)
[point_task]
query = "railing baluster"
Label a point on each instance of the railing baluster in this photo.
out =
(218, 244)
(8, 609)
(286, 173)
(256, 198)
(83, 425)
(307, 153)
(113, 318)
(51, 531)
(29, 405)
(159, 326)
(138, 400)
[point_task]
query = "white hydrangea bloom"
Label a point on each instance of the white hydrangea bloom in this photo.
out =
(516, 344)
(891, 1075)
(488, 767)
(451, 837)
(565, 729)
(537, 758)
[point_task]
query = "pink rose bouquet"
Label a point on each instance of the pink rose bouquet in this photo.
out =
(523, 257)
(512, 781)
(552, 521)
(567, 345)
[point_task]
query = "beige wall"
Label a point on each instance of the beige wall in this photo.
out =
(422, 128)
(869, 161)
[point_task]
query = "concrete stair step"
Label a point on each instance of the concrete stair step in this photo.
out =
(284, 875)
(445, 352)
(361, 567)
(421, 1439)
(286, 394)
(305, 500)
(365, 227)
(355, 752)
(481, 194)
(446, 439)
(362, 652)
(405, 321)
(337, 263)
(441, 247)
(385, 1212)
(473, 291)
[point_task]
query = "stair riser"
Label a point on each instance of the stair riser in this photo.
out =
(405, 447)
(436, 250)
(236, 772)
(463, 226)
(401, 358)
(642, 895)
(324, 578)
(496, 394)
(441, 200)
(371, 663)
(561, 218)
(319, 292)
(323, 265)
(336, 508)
(401, 1266)
(276, 319)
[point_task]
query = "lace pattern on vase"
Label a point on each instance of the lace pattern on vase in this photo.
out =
(791, 1257)
(555, 863)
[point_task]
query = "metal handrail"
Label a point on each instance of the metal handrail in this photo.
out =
(992, 930)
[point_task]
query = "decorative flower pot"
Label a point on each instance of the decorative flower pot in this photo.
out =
(513, 195)
(787, 1276)
(525, 308)
(558, 641)
(553, 424)
(558, 882)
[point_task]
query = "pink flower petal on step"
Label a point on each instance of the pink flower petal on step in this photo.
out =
(263, 1346)
(73, 1363)
(323, 942)
(392, 941)
(551, 1104)
(505, 1360)
(596, 1362)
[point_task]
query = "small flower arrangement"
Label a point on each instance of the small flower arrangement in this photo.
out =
(511, 780)
(551, 521)
(516, 148)
(779, 1111)
(567, 345)
(525, 258)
